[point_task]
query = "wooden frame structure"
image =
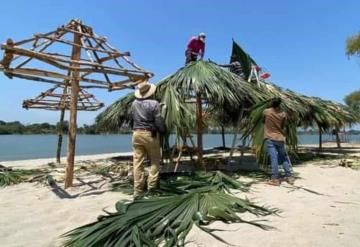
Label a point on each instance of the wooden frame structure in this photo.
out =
(54, 100)
(58, 98)
(71, 55)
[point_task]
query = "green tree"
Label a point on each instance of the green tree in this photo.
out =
(353, 100)
(353, 45)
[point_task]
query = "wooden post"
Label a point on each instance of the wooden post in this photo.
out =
(223, 136)
(199, 131)
(237, 130)
(60, 136)
(320, 139)
(338, 142)
(76, 55)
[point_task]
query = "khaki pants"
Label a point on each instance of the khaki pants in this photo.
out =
(144, 145)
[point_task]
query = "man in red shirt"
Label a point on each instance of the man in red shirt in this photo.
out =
(195, 48)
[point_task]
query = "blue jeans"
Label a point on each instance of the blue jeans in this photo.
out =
(278, 155)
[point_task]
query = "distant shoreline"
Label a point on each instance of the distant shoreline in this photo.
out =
(127, 133)
(44, 162)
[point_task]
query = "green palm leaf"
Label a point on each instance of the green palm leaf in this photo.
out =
(10, 176)
(167, 220)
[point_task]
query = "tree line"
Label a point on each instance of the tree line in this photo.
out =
(16, 127)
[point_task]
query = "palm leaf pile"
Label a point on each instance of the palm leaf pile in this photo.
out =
(166, 220)
(182, 183)
(9, 176)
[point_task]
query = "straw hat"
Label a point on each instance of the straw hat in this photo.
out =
(145, 90)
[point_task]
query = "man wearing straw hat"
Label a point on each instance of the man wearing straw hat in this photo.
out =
(147, 122)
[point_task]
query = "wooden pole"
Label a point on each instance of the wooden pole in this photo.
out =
(237, 130)
(199, 131)
(320, 139)
(60, 135)
(223, 136)
(338, 141)
(76, 55)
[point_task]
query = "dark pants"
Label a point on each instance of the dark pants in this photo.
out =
(190, 57)
(278, 155)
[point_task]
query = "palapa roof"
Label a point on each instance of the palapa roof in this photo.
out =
(59, 97)
(46, 57)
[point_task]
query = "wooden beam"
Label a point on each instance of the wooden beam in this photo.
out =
(199, 123)
(60, 136)
(101, 39)
(76, 55)
(33, 38)
(73, 44)
(47, 44)
(57, 62)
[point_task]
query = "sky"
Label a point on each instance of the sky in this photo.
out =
(301, 43)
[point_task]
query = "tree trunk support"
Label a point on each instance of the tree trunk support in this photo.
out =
(338, 141)
(223, 136)
(199, 131)
(60, 136)
(76, 55)
(320, 139)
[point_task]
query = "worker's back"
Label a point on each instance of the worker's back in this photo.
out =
(274, 123)
(146, 115)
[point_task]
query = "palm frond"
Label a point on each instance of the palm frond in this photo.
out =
(117, 115)
(183, 183)
(16, 176)
(167, 220)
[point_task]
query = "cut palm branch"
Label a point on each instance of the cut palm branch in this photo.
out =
(15, 176)
(167, 220)
(181, 184)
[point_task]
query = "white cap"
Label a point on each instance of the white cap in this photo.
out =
(202, 35)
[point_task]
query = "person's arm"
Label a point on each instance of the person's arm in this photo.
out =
(202, 53)
(159, 121)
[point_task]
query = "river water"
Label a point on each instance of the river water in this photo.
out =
(18, 147)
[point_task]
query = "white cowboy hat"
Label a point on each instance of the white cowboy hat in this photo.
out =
(144, 90)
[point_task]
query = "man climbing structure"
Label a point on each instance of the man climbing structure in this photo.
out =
(195, 48)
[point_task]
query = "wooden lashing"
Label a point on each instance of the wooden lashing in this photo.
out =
(102, 67)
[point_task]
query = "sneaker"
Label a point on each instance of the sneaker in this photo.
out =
(274, 182)
(290, 180)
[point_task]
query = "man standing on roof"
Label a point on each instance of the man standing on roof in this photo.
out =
(274, 121)
(147, 123)
(195, 48)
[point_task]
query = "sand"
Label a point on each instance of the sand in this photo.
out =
(33, 214)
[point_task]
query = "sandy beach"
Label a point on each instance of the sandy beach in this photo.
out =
(34, 214)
